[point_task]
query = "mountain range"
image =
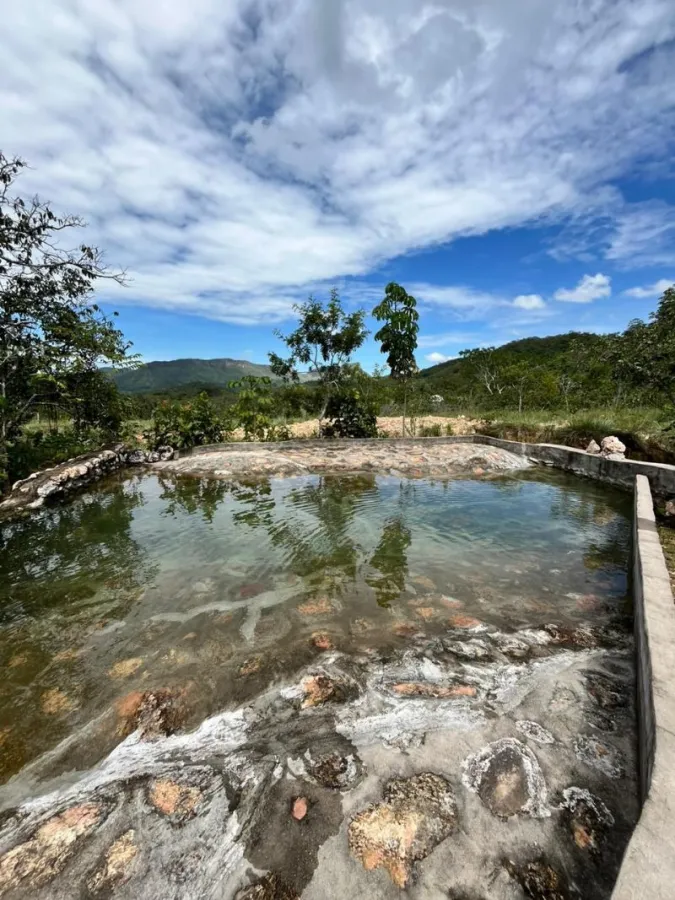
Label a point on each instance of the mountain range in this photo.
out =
(155, 377)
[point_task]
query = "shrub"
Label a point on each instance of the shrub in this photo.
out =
(38, 450)
(350, 415)
(430, 430)
(183, 425)
(449, 430)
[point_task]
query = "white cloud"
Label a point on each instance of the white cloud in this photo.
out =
(652, 290)
(529, 302)
(436, 358)
(591, 287)
(230, 154)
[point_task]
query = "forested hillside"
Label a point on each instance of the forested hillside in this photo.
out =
(155, 377)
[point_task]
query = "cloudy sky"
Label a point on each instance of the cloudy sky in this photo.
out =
(511, 163)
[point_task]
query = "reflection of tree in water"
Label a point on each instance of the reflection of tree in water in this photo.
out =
(593, 510)
(390, 560)
(68, 553)
(193, 495)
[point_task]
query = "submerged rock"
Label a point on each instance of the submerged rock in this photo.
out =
(155, 713)
(416, 815)
(115, 868)
(320, 689)
(36, 861)
(507, 778)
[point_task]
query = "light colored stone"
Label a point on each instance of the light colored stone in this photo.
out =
(612, 447)
(593, 447)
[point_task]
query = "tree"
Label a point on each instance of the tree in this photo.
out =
(645, 353)
(51, 333)
(398, 336)
(253, 408)
(488, 369)
(324, 341)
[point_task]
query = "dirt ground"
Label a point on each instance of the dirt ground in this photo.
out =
(390, 426)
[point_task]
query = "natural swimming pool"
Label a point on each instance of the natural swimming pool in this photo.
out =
(197, 655)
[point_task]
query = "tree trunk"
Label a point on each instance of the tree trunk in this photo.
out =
(405, 400)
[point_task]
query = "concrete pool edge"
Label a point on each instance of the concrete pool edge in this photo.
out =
(648, 868)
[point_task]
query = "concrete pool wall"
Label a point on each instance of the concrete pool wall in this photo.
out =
(648, 868)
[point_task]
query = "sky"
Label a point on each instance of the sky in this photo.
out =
(510, 163)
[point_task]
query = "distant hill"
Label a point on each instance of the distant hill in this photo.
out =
(155, 377)
(550, 355)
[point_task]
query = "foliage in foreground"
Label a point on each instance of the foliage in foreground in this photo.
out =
(53, 337)
(184, 425)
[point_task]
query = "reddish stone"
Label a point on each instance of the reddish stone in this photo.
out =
(299, 810)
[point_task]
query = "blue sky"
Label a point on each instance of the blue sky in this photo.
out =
(511, 163)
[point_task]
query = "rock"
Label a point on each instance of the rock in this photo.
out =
(416, 815)
(322, 641)
(299, 809)
(250, 666)
(612, 446)
(593, 448)
(153, 457)
(155, 713)
(535, 732)
(319, 607)
(600, 755)
(137, 457)
(271, 887)
(335, 771)
(174, 800)
(586, 817)
(36, 861)
(125, 667)
(115, 869)
(507, 778)
(165, 453)
(539, 880)
(670, 508)
(320, 689)
(55, 701)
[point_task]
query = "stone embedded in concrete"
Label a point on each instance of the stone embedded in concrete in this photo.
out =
(507, 778)
(535, 732)
(415, 816)
(117, 865)
(607, 692)
(155, 713)
(271, 887)
(299, 808)
(600, 755)
(177, 801)
(539, 880)
(335, 771)
(35, 862)
(586, 817)
(320, 689)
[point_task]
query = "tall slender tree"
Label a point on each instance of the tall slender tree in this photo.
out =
(398, 337)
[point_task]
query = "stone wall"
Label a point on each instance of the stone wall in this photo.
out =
(58, 481)
(648, 868)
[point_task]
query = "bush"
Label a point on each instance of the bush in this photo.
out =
(430, 430)
(38, 450)
(350, 415)
(184, 425)
(449, 430)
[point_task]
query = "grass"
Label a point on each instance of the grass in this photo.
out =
(642, 430)
(667, 535)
